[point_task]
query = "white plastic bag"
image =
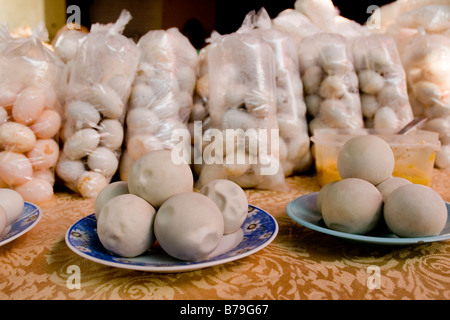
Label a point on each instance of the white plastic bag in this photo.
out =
(330, 82)
(382, 83)
(162, 95)
(242, 144)
(101, 75)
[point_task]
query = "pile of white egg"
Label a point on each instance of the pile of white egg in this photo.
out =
(29, 124)
(368, 194)
(158, 203)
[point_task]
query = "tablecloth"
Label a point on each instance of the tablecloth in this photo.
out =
(299, 263)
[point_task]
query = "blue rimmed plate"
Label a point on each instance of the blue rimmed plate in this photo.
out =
(303, 210)
(30, 216)
(257, 231)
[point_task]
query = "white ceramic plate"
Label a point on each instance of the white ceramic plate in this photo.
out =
(304, 211)
(257, 231)
(29, 217)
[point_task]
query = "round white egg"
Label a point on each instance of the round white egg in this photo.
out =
(231, 200)
(16, 137)
(81, 143)
(82, 114)
(90, 184)
(107, 101)
(352, 205)
(155, 177)
(104, 161)
(69, 170)
(111, 134)
(189, 226)
(125, 225)
(15, 168)
(13, 203)
(366, 157)
(36, 190)
(415, 210)
(29, 105)
(47, 125)
(390, 184)
(44, 154)
(110, 191)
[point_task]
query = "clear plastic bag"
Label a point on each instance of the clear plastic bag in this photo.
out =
(31, 95)
(330, 82)
(99, 86)
(295, 153)
(426, 60)
(242, 143)
(382, 82)
(162, 95)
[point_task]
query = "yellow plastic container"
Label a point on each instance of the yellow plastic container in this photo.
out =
(414, 153)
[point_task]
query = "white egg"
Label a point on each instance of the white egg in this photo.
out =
(189, 226)
(369, 105)
(15, 168)
(82, 114)
(29, 105)
(334, 114)
(81, 143)
(110, 191)
(156, 177)
(332, 87)
(370, 82)
(125, 225)
(107, 101)
(47, 125)
(90, 184)
(231, 200)
(427, 92)
(390, 184)
(36, 190)
(138, 145)
(139, 118)
(386, 118)
(44, 154)
(16, 137)
(142, 96)
(9, 92)
(69, 170)
(13, 203)
(111, 134)
(104, 161)
(45, 174)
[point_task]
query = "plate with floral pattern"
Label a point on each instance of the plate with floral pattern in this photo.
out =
(258, 230)
(30, 216)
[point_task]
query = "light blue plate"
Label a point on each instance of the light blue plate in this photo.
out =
(304, 211)
(29, 217)
(257, 231)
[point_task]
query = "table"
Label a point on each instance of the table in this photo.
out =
(299, 264)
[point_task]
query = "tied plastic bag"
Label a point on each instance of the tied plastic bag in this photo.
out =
(162, 95)
(426, 60)
(295, 153)
(31, 93)
(382, 83)
(330, 82)
(242, 143)
(100, 82)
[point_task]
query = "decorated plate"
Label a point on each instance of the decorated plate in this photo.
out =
(29, 217)
(303, 210)
(257, 231)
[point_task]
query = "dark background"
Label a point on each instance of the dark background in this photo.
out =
(198, 18)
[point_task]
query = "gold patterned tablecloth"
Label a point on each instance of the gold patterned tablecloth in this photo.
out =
(299, 264)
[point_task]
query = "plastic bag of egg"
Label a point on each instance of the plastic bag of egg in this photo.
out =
(368, 195)
(101, 75)
(158, 204)
(30, 116)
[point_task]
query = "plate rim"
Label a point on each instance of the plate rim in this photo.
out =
(31, 226)
(175, 268)
(358, 237)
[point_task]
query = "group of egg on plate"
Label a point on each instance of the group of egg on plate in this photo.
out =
(369, 195)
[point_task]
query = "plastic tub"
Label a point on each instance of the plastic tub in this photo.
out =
(414, 153)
